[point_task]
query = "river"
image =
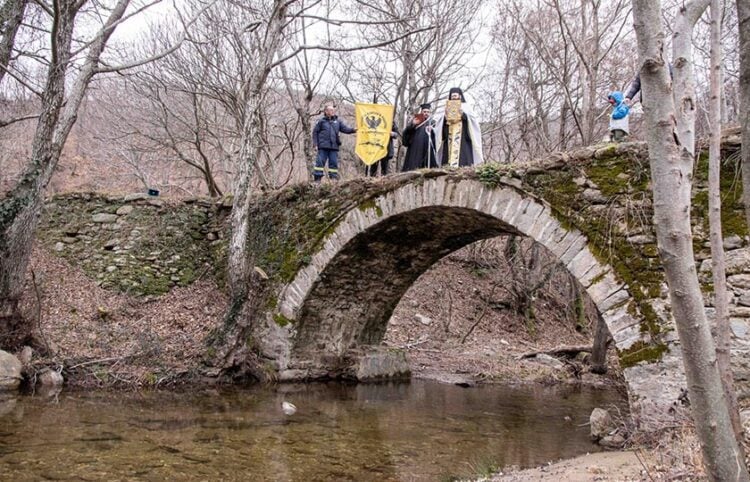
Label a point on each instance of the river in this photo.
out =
(418, 431)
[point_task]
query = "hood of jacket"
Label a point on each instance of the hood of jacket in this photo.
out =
(617, 96)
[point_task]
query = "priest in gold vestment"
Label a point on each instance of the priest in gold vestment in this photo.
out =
(459, 137)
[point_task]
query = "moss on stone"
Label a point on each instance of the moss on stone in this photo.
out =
(614, 176)
(732, 209)
(145, 252)
(641, 352)
(368, 204)
(282, 320)
(491, 174)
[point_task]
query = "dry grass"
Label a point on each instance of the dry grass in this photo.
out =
(106, 338)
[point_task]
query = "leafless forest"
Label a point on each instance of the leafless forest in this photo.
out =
(538, 73)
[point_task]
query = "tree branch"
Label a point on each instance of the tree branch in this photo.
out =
(18, 119)
(168, 51)
(350, 49)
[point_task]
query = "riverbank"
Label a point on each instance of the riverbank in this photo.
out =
(452, 325)
(673, 454)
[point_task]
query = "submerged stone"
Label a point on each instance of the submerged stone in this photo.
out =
(10, 371)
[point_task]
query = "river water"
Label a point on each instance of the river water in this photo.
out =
(418, 431)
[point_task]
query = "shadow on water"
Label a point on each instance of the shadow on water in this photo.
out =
(386, 432)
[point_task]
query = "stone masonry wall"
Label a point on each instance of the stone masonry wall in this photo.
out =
(136, 244)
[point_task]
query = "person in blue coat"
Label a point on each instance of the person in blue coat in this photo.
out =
(619, 127)
(326, 140)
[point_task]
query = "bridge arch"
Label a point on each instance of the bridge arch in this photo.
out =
(345, 296)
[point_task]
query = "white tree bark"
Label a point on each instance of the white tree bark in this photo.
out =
(718, 263)
(239, 269)
(20, 208)
(682, 70)
(11, 15)
(671, 177)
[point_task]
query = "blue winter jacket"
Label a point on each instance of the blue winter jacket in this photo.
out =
(619, 109)
(326, 132)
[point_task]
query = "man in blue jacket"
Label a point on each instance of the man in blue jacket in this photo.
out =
(326, 139)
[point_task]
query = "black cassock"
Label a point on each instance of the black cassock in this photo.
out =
(420, 146)
(466, 155)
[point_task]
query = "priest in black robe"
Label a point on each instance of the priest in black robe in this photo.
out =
(419, 139)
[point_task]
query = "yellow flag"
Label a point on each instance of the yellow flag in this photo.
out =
(373, 131)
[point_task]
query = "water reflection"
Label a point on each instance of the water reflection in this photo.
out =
(405, 432)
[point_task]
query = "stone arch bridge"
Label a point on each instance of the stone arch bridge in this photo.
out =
(339, 257)
(334, 260)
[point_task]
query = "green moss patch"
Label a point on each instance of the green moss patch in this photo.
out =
(641, 352)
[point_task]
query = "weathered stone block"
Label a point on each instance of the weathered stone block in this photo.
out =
(582, 263)
(641, 239)
(383, 364)
(104, 218)
(601, 423)
(49, 378)
(136, 197)
(526, 220)
(124, 210)
(737, 262)
(10, 371)
(738, 280)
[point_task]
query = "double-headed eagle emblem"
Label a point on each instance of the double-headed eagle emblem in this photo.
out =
(373, 121)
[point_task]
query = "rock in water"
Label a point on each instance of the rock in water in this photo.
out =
(288, 408)
(10, 371)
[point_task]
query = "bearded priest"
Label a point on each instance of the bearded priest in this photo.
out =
(459, 137)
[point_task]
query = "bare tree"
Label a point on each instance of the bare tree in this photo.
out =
(72, 63)
(594, 36)
(415, 68)
(671, 172)
(303, 77)
(559, 58)
(11, 16)
(683, 75)
(528, 273)
(259, 33)
(718, 263)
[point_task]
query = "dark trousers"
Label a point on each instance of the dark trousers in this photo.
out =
(617, 135)
(372, 169)
(330, 155)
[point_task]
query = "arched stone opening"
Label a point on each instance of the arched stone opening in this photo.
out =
(357, 292)
(344, 297)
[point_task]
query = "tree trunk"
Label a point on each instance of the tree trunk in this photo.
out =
(11, 15)
(599, 349)
(682, 70)
(19, 210)
(238, 259)
(302, 108)
(238, 265)
(743, 22)
(562, 133)
(718, 264)
(671, 173)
